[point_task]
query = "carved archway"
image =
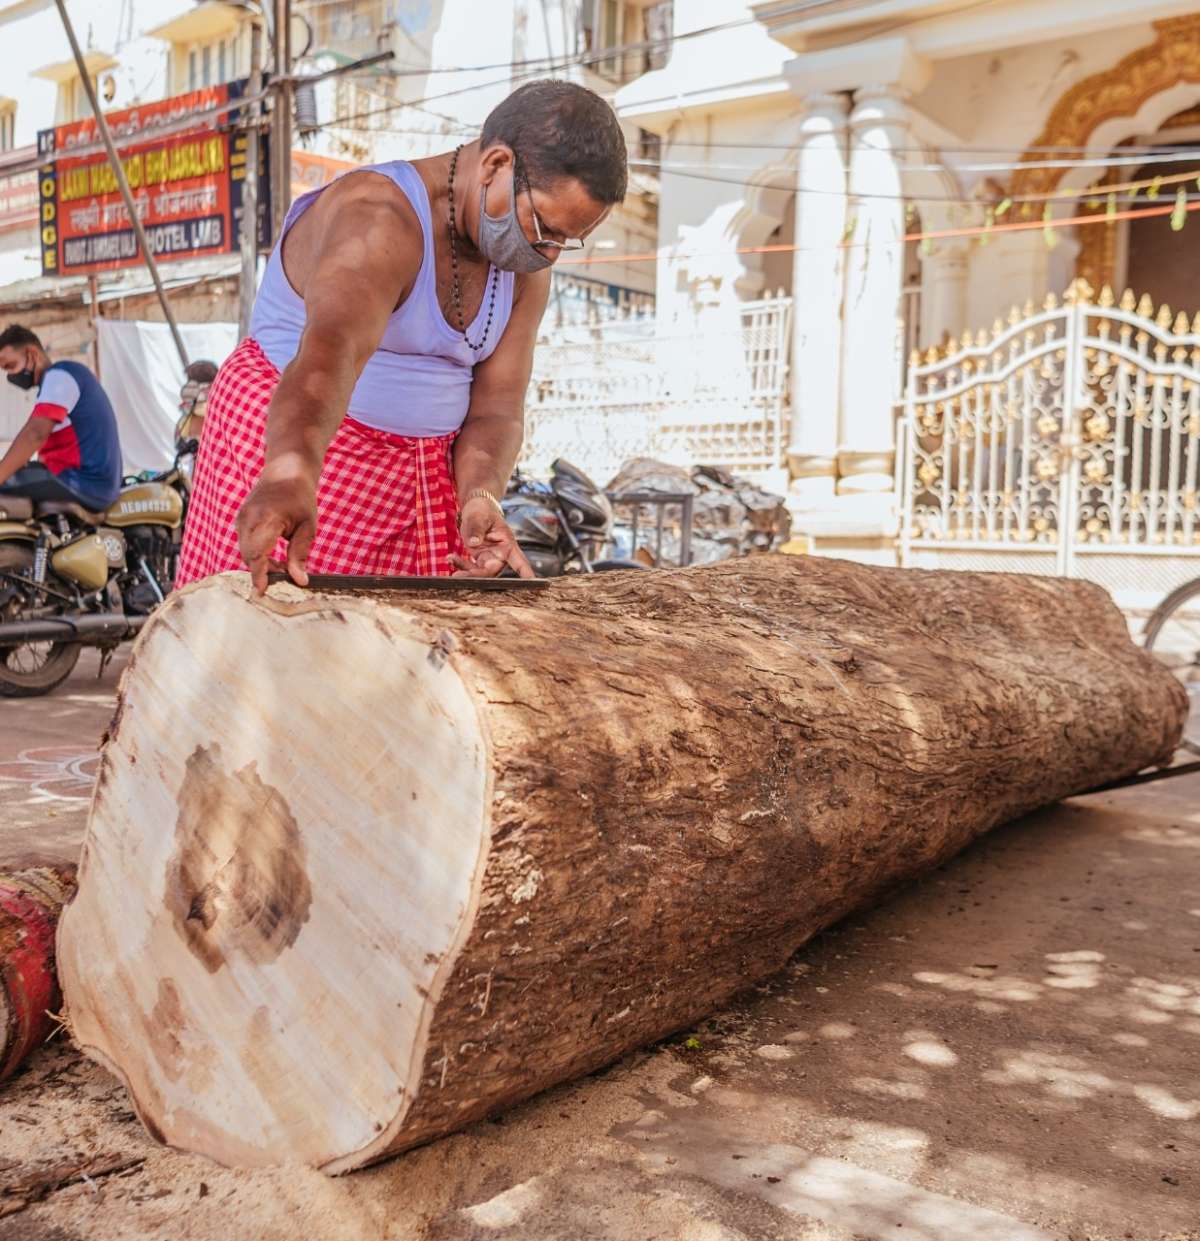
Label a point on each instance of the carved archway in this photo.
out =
(1116, 94)
(770, 191)
(1101, 244)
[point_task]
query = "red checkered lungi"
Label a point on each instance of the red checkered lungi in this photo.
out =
(386, 503)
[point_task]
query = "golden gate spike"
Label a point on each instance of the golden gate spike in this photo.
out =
(1181, 324)
(1108, 298)
(1164, 316)
(1128, 301)
(1145, 307)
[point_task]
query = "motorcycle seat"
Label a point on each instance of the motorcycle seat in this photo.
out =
(51, 508)
(16, 508)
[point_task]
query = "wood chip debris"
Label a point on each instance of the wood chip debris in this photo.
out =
(16, 1195)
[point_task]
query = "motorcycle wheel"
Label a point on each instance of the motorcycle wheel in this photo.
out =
(37, 667)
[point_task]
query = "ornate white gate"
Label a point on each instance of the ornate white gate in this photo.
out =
(1066, 441)
(627, 387)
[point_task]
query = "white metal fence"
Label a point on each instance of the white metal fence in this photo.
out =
(603, 393)
(1065, 441)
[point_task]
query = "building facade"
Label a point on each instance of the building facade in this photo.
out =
(448, 65)
(130, 63)
(451, 63)
(901, 170)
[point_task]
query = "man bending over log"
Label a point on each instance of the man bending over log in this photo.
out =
(370, 421)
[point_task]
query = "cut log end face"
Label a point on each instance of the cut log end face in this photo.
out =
(230, 962)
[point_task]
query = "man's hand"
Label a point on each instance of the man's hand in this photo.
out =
(489, 543)
(281, 505)
(24, 448)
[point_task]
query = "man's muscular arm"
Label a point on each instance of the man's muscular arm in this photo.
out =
(366, 251)
(25, 447)
(490, 441)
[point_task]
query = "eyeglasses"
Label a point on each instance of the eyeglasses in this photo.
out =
(568, 243)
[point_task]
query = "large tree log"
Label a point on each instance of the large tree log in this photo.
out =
(363, 868)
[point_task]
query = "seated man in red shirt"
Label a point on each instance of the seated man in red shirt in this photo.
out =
(72, 429)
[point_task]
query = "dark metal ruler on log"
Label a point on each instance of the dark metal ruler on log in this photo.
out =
(354, 581)
(1143, 777)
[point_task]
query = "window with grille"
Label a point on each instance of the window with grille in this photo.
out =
(649, 147)
(212, 62)
(645, 33)
(80, 106)
(660, 21)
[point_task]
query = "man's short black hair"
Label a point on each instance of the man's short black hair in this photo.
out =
(559, 129)
(18, 337)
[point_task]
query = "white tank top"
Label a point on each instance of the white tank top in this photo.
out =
(418, 382)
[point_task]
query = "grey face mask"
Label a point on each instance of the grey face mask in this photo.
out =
(502, 240)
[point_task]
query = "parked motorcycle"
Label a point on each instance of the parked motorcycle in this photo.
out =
(563, 526)
(71, 578)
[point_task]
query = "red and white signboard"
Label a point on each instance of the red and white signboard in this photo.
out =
(186, 187)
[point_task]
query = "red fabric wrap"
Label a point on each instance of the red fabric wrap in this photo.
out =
(26, 975)
(386, 503)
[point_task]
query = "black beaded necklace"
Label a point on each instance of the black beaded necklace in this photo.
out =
(455, 286)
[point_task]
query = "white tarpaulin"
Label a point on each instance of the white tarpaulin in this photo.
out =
(142, 374)
(14, 411)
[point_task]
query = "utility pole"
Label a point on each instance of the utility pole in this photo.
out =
(249, 238)
(122, 181)
(281, 118)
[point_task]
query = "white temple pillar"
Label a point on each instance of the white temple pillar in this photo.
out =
(1010, 270)
(817, 285)
(944, 293)
(874, 280)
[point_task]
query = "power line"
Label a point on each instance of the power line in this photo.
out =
(549, 62)
(1098, 161)
(1091, 192)
(851, 244)
(926, 148)
(1129, 157)
(615, 52)
(1095, 192)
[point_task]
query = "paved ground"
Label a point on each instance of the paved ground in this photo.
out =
(1006, 1051)
(48, 760)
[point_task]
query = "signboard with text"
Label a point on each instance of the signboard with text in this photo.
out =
(18, 201)
(186, 187)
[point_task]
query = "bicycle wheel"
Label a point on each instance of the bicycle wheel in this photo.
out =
(1173, 637)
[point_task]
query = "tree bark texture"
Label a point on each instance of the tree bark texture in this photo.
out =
(31, 898)
(363, 868)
